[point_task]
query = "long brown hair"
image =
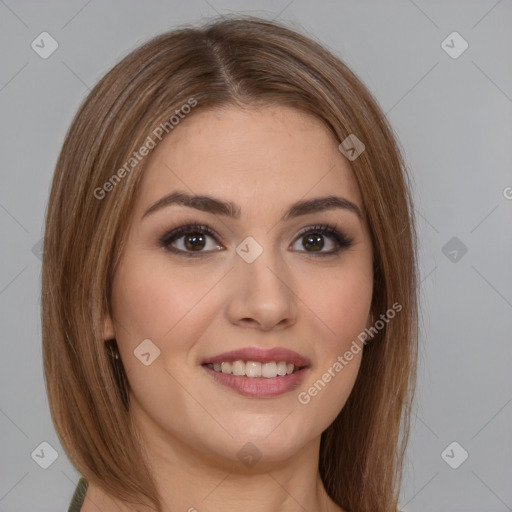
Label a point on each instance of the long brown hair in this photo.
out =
(231, 61)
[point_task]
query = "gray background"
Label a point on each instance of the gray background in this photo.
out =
(453, 118)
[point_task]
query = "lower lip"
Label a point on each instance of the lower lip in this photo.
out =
(259, 387)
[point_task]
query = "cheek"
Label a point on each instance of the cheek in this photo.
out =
(342, 310)
(153, 300)
(343, 304)
(168, 305)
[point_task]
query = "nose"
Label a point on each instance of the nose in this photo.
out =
(262, 293)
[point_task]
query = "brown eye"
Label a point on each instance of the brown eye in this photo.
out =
(313, 240)
(191, 240)
(194, 241)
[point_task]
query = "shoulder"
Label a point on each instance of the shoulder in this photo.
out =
(79, 495)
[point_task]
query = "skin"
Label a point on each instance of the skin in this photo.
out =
(262, 159)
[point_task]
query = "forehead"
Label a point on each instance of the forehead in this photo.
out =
(250, 156)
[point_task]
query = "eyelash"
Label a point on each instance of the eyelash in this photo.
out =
(343, 241)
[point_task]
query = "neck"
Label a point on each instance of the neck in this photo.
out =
(189, 479)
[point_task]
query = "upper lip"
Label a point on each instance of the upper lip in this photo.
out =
(260, 355)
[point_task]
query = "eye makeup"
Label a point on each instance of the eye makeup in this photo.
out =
(200, 232)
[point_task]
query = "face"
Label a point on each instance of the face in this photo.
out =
(280, 285)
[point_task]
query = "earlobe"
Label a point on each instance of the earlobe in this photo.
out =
(109, 333)
(369, 320)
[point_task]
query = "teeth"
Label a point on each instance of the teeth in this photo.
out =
(225, 367)
(238, 368)
(281, 368)
(254, 369)
(269, 370)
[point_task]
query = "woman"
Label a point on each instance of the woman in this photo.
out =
(229, 281)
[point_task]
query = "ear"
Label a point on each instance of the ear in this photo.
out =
(369, 320)
(109, 332)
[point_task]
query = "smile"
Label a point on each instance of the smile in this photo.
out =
(254, 369)
(257, 387)
(257, 372)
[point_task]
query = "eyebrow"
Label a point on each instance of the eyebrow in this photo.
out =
(227, 208)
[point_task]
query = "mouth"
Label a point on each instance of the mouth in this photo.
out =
(258, 373)
(255, 369)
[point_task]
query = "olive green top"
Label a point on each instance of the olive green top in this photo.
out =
(78, 497)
